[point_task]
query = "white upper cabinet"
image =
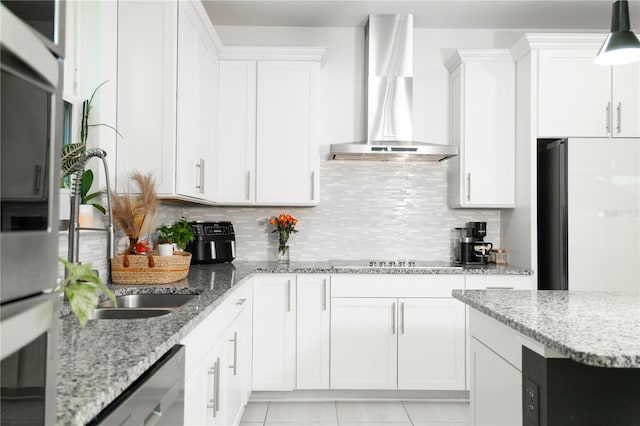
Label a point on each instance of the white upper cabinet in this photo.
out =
(196, 95)
(287, 163)
(236, 164)
(578, 98)
(625, 100)
(482, 125)
(267, 153)
(167, 82)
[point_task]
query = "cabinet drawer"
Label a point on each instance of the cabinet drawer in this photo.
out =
(502, 282)
(395, 285)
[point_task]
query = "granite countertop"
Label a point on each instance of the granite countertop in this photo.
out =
(98, 362)
(591, 327)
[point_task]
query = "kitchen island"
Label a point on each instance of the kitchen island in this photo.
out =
(555, 357)
(98, 362)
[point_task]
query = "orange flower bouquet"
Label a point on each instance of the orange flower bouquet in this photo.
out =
(285, 226)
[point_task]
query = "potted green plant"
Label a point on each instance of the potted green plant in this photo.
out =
(72, 154)
(80, 286)
(180, 234)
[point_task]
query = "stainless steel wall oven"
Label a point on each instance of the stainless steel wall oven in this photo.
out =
(30, 136)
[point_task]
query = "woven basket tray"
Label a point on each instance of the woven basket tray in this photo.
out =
(167, 269)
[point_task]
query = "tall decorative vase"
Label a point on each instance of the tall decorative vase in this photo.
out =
(283, 254)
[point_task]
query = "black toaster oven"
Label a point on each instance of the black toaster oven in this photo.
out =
(215, 242)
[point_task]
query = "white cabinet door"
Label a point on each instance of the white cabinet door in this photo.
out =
(203, 392)
(287, 170)
(431, 344)
(189, 111)
(313, 323)
(195, 97)
(364, 349)
(234, 370)
(574, 94)
(496, 397)
(147, 36)
(167, 88)
(482, 92)
(236, 166)
(626, 100)
(274, 346)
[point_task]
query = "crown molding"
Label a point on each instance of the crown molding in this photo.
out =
(275, 53)
(478, 55)
(534, 41)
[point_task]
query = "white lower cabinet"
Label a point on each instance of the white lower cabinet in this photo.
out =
(415, 340)
(313, 308)
(495, 386)
(364, 345)
(431, 351)
(274, 326)
(218, 367)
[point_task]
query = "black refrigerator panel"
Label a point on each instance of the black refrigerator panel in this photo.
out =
(552, 215)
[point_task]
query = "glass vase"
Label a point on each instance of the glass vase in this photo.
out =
(283, 254)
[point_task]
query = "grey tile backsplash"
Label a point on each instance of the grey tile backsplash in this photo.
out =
(377, 210)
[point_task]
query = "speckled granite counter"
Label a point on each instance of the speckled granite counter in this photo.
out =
(591, 327)
(100, 361)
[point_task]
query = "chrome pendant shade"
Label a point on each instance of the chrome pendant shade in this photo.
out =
(622, 45)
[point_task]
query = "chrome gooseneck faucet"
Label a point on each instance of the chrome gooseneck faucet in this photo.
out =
(74, 225)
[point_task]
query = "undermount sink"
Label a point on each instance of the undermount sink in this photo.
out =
(128, 313)
(134, 306)
(169, 301)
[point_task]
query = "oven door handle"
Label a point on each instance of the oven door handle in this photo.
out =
(33, 317)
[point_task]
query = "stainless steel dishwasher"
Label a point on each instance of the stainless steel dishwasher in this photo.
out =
(156, 398)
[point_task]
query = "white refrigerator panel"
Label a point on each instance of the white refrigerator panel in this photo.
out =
(604, 214)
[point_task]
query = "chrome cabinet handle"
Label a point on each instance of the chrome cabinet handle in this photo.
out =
(608, 117)
(313, 186)
(288, 295)
(393, 318)
(324, 294)
(499, 288)
(200, 165)
(619, 111)
(36, 182)
(248, 184)
(234, 367)
(402, 318)
(213, 401)
(468, 186)
(217, 388)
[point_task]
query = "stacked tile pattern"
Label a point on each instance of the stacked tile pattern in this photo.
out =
(368, 210)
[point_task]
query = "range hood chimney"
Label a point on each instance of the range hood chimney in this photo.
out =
(389, 76)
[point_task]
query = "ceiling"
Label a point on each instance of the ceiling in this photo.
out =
(501, 14)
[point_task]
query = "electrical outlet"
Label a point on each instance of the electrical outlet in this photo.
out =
(531, 402)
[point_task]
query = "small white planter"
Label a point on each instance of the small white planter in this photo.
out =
(165, 249)
(85, 216)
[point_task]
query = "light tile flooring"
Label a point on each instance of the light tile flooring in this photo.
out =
(356, 414)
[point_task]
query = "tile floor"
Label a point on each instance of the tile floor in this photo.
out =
(356, 414)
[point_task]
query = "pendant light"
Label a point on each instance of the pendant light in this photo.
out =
(622, 45)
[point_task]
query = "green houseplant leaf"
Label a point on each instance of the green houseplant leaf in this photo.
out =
(81, 286)
(179, 233)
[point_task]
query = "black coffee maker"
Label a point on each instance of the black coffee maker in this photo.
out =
(471, 249)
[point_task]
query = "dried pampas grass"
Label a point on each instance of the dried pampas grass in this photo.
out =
(135, 212)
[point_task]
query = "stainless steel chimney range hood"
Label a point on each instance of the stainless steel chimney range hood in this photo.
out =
(389, 75)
